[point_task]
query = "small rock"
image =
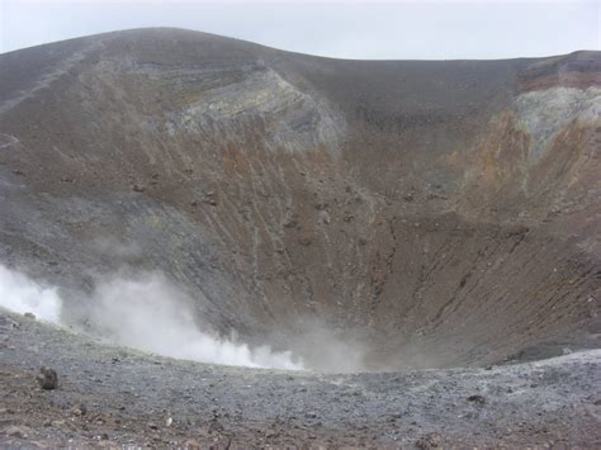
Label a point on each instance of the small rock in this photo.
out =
(79, 410)
(210, 198)
(192, 444)
(7, 322)
(17, 432)
(47, 379)
(29, 315)
(138, 188)
(429, 441)
(476, 398)
(291, 223)
(305, 241)
(168, 422)
(153, 426)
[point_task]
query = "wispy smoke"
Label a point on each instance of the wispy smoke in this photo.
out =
(325, 348)
(19, 294)
(147, 312)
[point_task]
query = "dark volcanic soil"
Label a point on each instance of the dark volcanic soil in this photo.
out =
(443, 215)
(127, 398)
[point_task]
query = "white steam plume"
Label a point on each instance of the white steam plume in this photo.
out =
(148, 313)
(19, 294)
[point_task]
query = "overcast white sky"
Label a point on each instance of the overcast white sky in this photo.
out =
(385, 30)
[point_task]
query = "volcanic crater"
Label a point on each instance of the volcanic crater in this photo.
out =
(422, 214)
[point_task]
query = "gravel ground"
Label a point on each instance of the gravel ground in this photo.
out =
(115, 397)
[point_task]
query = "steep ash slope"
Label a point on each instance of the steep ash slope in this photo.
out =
(439, 213)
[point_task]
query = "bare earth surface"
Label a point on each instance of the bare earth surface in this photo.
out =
(110, 397)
